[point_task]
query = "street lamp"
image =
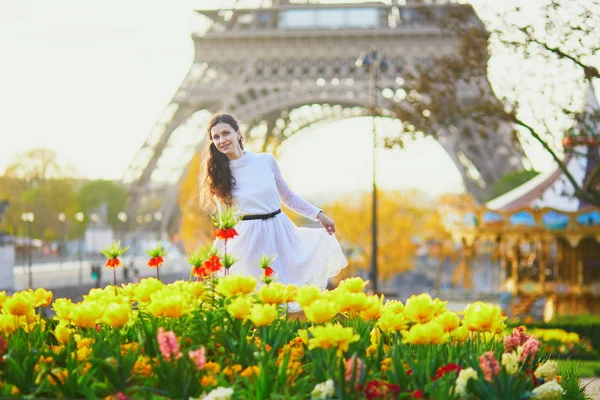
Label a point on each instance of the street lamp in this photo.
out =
(375, 61)
(122, 216)
(28, 217)
(158, 217)
(80, 217)
(62, 218)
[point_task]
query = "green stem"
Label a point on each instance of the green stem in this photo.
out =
(225, 258)
(115, 280)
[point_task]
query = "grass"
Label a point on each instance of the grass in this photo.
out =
(586, 368)
(571, 371)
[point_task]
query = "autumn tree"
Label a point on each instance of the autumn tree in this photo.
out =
(35, 166)
(558, 48)
(34, 181)
(401, 218)
(196, 225)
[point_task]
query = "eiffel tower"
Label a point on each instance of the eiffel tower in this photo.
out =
(281, 67)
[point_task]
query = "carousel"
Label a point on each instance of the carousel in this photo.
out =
(545, 239)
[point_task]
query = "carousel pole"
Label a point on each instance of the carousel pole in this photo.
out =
(543, 259)
(573, 278)
(515, 265)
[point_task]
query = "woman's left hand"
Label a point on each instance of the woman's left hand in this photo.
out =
(327, 223)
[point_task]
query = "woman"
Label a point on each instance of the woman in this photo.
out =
(253, 184)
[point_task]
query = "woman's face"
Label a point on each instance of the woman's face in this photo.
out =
(226, 139)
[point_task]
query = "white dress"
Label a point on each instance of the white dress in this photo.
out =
(303, 255)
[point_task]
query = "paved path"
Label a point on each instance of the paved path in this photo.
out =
(593, 387)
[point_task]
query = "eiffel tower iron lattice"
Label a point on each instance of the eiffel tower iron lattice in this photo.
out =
(286, 67)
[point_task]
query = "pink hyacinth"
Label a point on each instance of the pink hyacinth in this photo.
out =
(530, 348)
(516, 339)
(350, 367)
(198, 357)
(167, 343)
(489, 365)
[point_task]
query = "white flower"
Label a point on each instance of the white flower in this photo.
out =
(220, 393)
(550, 390)
(323, 390)
(547, 370)
(461, 381)
(510, 362)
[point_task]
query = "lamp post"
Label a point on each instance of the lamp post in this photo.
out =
(375, 61)
(122, 216)
(80, 217)
(62, 218)
(158, 218)
(28, 217)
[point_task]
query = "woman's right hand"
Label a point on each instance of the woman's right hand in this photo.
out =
(326, 222)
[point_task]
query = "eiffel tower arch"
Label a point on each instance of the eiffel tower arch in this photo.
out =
(286, 67)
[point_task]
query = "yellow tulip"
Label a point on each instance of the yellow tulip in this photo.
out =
(233, 285)
(352, 285)
(2, 298)
(308, 294)
(373, 310)
(129, 290)
(116, 314)
(422, 308)
(196, 289)
(42, 297)
(272, 294)
(449, 321)
(240, 307)
(18, 304)
(351, 302)
(483, 317)
(146, 288)
(87, 314)
(62, 307)
(291, 292)
(98, 294)
(263, 314)
(393, 306)
(391, 323)
(460, 334)
(320, 311)
(427, 333)
(332, 336)
(173, 305)
(63, 332)
(8, 324)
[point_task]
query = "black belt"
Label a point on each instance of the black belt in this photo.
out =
(261, 216)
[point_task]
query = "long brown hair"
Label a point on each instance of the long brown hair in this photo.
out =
(216, 179)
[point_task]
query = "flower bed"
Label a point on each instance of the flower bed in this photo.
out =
(227, 338)
(558, 342)
(586, 326)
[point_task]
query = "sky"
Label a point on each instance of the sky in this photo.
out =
(90, 79)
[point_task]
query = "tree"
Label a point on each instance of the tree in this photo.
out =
(455, 87)
(95, 193)
(34, 181)
(196, 225)
(34, 166)
(401, 218)
(46, 201)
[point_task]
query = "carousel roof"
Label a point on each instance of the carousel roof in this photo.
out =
(553, 189)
